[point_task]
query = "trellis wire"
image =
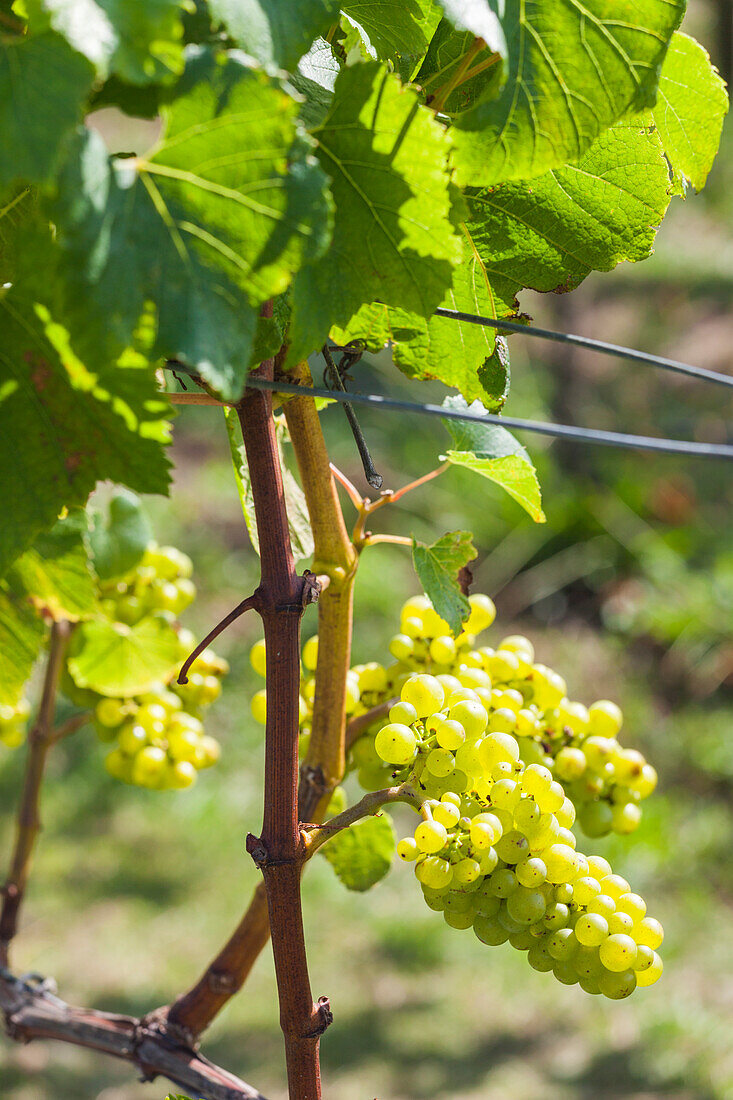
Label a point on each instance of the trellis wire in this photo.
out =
(601, 346)
(563, 431)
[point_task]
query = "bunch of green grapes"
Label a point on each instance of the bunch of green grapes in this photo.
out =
(495, 851)
(578, 744)
(14, 724)
(159, 737)
(160, 582)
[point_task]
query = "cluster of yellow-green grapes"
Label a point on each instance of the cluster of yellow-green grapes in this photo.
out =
(501, 758)
(495, 850)
(159, 736)
(161, 582)
(14, 724)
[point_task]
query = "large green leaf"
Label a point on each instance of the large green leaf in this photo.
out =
(550, 232)
(362, 854)
(118, 539)
(690, 109)
(63, 427)
(276, 32)
(301, 536)
(22, 631)
(494, 453)
(118, 660)
(393, 239)
(213, 223)
(43, 82)
(140, 42)
(574, 69)
(454, 352)
(438, 567)
(395, 28)
(55, 572)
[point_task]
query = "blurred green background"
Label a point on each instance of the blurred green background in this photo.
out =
(627, 590)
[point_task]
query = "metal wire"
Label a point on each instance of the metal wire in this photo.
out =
(600, 346)
(563, 431)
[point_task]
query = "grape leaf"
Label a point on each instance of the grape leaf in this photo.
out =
(362, 854)
(440, 68)
(43, 82)
(118, 539)
(63, 428)
(395, 28)
(454, 352)
(118, 660)
(213, 223)
(493, 452)
(22, 632)
(393, 238)
(275, 32)
(574, 69)
(140, 42)
(301, 536)
(437, 567)
(690, 108)
(549, 233)
(55, 571)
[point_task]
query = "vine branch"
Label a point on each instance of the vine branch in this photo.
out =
(316, 836)
(28, 820)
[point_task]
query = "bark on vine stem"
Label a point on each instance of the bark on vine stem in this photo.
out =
(28, 820)
(279, 851)
(336, 558)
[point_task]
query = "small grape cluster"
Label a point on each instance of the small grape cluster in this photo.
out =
(159, 736)
(161, 582)
(14, 724)
(159, 739)
(495, 851)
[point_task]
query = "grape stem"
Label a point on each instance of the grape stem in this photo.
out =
(360, 536)
(28, 820)
(315, 836)
(439, 98)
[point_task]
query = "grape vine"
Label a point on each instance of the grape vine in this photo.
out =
(319, 174)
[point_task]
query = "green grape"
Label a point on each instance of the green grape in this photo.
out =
(132, 738)
(526, 814)
(649, 933)
(446, 814)
(632, 904)
(512, 847)
(458, 920)
(430, 836)
(595, 818)
(591, 929)
(604, 718)
(471, 715)
(646, 782)
(618, 952)
(526, 906)
(450, 734)
(180, 774)
(483, 613)
(570, 763)
(119, 766)
(522, 941)
(258, 657)
(562, 863)
(651, 974)
(496, 748)
(395, 743)
(539, 958)
(531, 872)
(562, 944)
(259, 706)
(111, 712)
(598, 867)
(586, 960)
(614, 886)
(625, 818)
(403, 713)
(617, 985)
(565, 972)
(644, 957)
(442, 649)
(425, 693)
(502, 720)
(373, 778)
(536, 779)
(556, 916)
(439, 762)
(210, 750)
(503, 883)
(585, 889)
(147, 766)
(620, 922)
(564, 892)
(466, 870)
(551, 799)
(434, 871)
(489, 931)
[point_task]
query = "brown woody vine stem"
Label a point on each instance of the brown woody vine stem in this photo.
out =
(28, 822)
(370, 804)
(335, 558)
